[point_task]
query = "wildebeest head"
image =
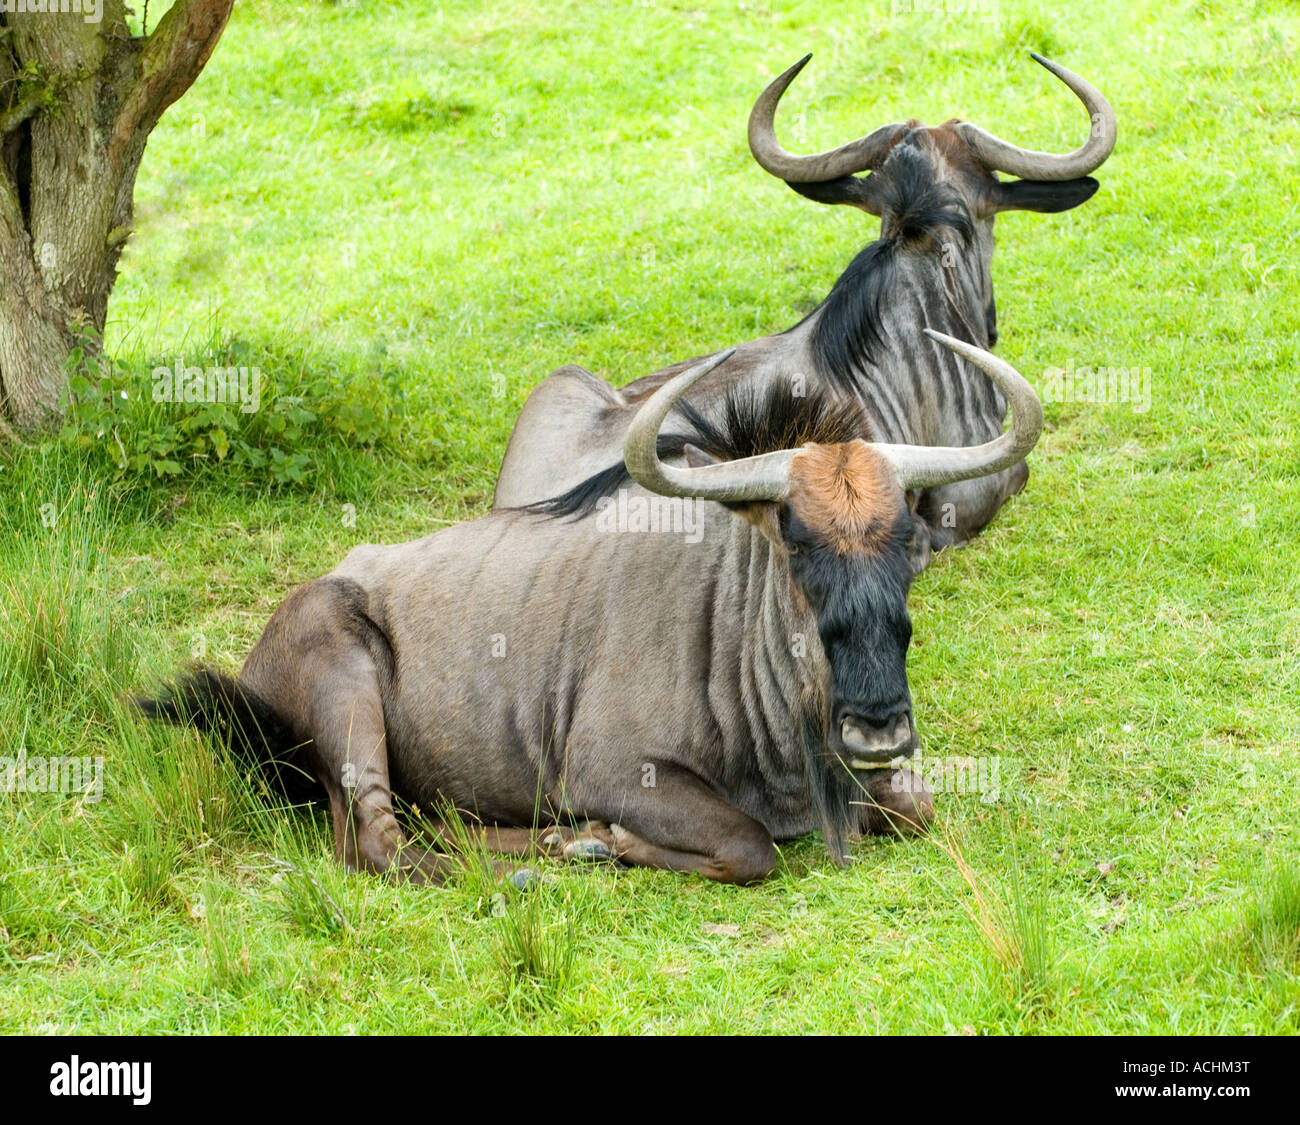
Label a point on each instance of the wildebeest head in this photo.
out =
(844, 525)
(838, 513)
(922, 179)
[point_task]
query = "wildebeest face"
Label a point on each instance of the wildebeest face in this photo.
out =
(845, 527)
(839, 513)
(933, 195)
(911, 167)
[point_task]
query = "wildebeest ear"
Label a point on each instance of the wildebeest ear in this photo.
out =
(1041, 195)
(762, 514)
(856, 191)
(696, 458)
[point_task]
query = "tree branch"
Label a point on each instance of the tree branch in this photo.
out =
(10, 119)
(171, 59)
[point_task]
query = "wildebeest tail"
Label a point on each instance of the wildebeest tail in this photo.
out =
(260, 738)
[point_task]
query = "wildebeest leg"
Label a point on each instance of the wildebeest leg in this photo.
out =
(587, 841)
(317, 664)
(682, 825)
(352, 759)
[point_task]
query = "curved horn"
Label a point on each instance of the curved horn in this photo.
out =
(766, 477)
(927, 466)
(1002, 156)
(856, 156)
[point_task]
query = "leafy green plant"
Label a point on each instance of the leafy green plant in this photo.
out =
(111, 415)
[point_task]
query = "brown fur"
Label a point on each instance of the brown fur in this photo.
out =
(948, 145)
(847, 492)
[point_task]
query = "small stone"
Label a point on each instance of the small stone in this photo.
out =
(498, 905)
(524, 878)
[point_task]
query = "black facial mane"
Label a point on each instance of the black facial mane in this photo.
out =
(849, 330)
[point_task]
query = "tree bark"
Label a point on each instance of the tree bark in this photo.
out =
(78, 101)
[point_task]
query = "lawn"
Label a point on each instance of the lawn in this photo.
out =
(406, 215)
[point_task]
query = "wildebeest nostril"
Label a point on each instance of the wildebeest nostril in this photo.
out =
(876, 742)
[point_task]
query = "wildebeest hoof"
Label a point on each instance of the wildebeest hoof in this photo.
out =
(553, 843)
(588, 850)
(898, 802)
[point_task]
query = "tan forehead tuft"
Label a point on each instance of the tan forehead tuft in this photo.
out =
(847, 493)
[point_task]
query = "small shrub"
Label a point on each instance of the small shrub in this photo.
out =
(111, 415)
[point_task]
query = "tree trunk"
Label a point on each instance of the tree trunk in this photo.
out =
(78, 101)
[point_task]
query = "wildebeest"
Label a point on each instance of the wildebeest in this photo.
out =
(937, 194)
(694, 702)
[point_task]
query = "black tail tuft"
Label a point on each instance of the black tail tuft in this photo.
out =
(260, 738)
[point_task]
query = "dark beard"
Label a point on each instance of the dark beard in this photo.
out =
(832, 787)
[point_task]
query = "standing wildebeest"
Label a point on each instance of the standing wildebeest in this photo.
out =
(695, 701)
(936, 193)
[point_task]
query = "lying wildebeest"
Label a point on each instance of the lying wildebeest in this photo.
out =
(694, 701)
(937, 194)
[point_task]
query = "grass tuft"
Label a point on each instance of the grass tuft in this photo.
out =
(1273, 922)
(1013, 927)
(535, 944)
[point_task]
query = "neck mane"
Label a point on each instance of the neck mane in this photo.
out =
(916, 275)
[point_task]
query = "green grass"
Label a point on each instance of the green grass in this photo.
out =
(462, 198)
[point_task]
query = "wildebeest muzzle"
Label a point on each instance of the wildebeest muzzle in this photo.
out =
(867, 742)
